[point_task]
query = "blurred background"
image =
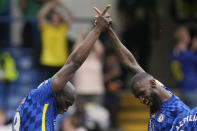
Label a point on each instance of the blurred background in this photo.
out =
(36, 37)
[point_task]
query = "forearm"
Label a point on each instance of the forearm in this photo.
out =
(68, 15)
(22, 5)
(83, 49)
(43, 12)
(75, 60)
(124, 55)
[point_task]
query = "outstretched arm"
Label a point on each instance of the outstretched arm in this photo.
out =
(79, 55)
(44, 10)
(68, 14)
(124, 55)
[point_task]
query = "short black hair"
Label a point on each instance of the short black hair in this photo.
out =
(138, 77)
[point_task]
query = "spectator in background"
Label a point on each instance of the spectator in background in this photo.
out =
(53, 30)
(3, 126)
(113, 84)
(8, 74)
(71, 123)
(183, 65)
(30, 9)
(88, 79)
(136, 29)
(4, 26)
(90, 116)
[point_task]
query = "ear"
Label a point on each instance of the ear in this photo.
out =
(153, 83)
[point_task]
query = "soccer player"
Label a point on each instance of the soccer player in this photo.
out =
(39, 109)
(164, 105)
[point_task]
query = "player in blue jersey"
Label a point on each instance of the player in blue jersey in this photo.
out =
(186, 121)
(164, 105)
(39, 109)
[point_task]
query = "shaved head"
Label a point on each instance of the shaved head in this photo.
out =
(144, 87)
(139, 77)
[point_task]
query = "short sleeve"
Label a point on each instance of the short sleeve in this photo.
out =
(43, 92)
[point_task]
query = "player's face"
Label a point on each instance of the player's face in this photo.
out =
(144, 91)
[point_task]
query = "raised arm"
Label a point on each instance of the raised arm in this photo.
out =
(44, 10)
(79, 55)
(22, 5)
(124, 55)
(68, 14)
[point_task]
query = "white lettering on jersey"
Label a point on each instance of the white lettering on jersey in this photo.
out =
(17, 120)
(190, 118)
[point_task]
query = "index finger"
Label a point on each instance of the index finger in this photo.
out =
(97, 10)
(106, 9)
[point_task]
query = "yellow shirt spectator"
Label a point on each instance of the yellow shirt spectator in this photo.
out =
(54, 45)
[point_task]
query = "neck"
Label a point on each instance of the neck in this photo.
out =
(164, 95)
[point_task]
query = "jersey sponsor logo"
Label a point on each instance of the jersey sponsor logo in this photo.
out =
(161, 118)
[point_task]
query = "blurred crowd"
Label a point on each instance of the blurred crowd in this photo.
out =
(101, 79)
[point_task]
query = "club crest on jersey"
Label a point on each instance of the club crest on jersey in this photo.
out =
(161, 118)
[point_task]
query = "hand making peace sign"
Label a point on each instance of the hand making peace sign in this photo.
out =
(102, 19)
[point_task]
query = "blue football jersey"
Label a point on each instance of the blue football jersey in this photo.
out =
(37, 112)
(170, 109)
(186, 121)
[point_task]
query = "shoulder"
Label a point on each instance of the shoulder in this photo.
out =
(42, 92)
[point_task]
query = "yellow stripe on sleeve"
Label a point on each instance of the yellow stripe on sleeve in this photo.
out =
(43, 116)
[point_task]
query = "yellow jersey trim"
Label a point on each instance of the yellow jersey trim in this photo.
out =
(43, 116)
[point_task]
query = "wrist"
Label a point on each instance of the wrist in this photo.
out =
(98, 28)
(110, 30)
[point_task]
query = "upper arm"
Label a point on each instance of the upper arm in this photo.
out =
(42, 20)
(60, 79)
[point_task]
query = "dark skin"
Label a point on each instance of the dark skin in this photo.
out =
(65, 98)
(144, 89)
